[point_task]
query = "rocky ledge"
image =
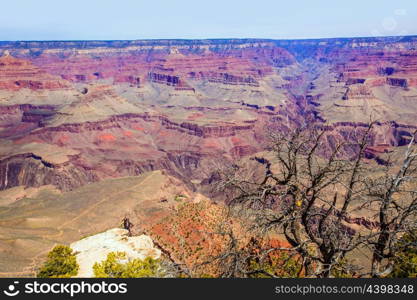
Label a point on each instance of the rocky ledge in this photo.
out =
(96, 248)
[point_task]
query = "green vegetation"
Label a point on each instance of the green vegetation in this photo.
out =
(118, 266)
(61, 263)
(281, 265)
(405, 262)
(341, 269)
(179, 198)
(204, 276)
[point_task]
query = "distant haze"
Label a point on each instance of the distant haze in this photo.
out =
(153, 19)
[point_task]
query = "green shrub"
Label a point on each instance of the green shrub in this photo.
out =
(180, 197)
(405, 263)
(61, 263)
(341, 269)
(280, 265)
(118, 266)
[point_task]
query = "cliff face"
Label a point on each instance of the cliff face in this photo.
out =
(128, 107)
(31, 170)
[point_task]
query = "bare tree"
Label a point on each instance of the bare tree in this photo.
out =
(395, 195)
(327, 201)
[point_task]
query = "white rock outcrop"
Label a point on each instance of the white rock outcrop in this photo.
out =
(95, 248)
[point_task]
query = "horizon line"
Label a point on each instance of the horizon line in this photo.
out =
(214, 39)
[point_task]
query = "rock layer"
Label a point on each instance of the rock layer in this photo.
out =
(127, 107)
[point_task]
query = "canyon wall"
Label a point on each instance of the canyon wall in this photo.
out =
(128, 107)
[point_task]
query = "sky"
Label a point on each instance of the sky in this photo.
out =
(194, 19)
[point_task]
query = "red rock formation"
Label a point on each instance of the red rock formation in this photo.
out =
(358, 91)
(392, 65)
(16, 74)
(170, 80)
(227, 118)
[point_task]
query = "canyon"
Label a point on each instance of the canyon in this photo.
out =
(78, 117)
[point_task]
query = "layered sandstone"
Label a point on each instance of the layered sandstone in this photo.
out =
(16, 74)
(128, 107)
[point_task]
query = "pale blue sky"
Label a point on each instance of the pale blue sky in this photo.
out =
(154, 19)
